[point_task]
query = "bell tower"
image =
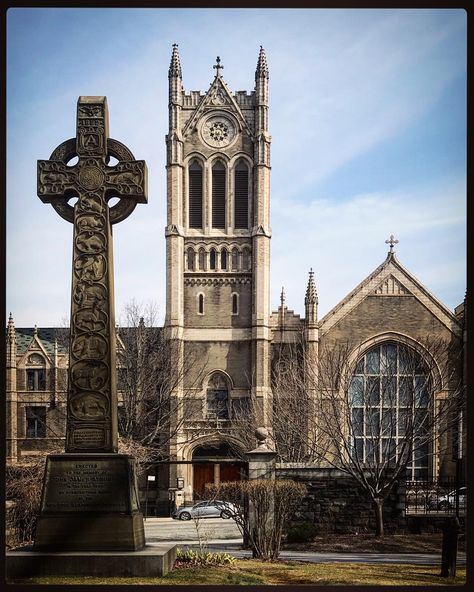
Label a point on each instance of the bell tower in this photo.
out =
(218, 229)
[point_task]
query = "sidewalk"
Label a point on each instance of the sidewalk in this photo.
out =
(224, 536)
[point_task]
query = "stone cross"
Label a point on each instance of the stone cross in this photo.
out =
(218, 66)
(92, 389)
(391, 241)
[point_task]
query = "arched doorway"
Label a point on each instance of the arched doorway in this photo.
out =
(214, 464)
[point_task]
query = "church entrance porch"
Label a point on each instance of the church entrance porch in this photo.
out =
(214, 464)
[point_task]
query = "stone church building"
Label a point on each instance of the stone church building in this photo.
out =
(218, 237)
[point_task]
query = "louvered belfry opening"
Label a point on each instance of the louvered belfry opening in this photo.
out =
(218, 195)
(195, 195)
(241, 203)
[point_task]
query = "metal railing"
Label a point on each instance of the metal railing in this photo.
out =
(447, 497)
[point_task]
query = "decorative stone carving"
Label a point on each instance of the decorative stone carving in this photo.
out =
(92, 380)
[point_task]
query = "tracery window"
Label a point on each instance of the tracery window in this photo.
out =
(195, 194)
(217, 397)
(390, 407)
(36, 379)
(35, 422)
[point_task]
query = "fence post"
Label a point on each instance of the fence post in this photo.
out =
(451, 531)
(261, 463)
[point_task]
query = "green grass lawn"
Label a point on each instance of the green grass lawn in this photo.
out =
(251, 572)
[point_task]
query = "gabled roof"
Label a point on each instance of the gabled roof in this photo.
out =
(390, 279)
(217, 97)
(24, 337)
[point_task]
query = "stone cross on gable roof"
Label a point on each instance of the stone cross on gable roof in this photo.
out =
(391, 241)
(218, 66)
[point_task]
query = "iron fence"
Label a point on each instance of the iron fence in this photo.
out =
(447, 497)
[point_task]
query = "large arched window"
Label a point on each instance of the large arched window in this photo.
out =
(218, 195)
(390, 409)
(195, 195)
(217, 397)
(241, 195)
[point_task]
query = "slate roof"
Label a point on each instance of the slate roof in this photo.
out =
(24, 337)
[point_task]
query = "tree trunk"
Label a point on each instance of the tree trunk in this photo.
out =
(378, 506)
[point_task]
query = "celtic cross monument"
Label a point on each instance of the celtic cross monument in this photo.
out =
(90, 498)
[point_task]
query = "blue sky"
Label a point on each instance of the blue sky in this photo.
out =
(368, 125)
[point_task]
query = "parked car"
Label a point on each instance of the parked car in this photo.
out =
(206, 509)
(448, 500)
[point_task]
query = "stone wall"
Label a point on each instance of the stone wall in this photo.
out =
(335, 503)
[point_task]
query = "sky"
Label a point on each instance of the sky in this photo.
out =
(368, 124)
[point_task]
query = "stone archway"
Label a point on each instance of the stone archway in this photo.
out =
(215, 463)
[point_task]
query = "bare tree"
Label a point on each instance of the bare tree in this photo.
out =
(380, 415)
(150, 412)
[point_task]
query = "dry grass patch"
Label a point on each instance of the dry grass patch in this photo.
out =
(252, 572)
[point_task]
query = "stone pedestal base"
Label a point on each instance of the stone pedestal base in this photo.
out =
(152, 560)
(89, 503)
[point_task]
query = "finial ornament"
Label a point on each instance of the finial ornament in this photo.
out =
(218, 66)
(282, 297)
(391, 241)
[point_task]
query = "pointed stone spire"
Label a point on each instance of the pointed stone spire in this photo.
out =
(175, 65)
(11, 335)
(311, 299)
(282, 308)
(282, 297)
(262, 66)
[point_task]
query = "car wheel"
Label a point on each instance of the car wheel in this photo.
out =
(225, 514)
(185, 516)
(444, 505)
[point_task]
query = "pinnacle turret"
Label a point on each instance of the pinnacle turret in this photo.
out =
(11, 336)
(175, 65)
(262, 66)
(311, 300)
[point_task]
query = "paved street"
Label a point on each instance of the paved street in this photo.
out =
(223, 535)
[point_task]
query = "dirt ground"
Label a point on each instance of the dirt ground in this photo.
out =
(400, 543)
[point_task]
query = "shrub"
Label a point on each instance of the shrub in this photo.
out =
(301, 533)
(265, 505)
(196, 558)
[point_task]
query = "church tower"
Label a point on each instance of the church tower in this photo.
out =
(218, 236)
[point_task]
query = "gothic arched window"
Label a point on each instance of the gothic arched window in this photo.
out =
(190, 259)
(218, 195)
(36, 373)
(217, 397)
(202, 259)
(195, 195)
(224, 259)
(390, 409)
(235, 259)
(241, 195)
(212, 259)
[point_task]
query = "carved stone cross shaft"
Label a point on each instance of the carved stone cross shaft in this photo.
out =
(92, 388)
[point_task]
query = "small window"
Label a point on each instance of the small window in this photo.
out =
(201, 304)
(36, 422)
(202, 259)
(224, 259)
(235, 259)
(235, 304)
(245, 260)
(190, 259)
(212, 259)
(36, 379)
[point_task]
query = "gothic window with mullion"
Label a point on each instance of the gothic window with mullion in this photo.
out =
(217, 398)
(36, 379)
(35, 422)
(390, 406)
(218, 195)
